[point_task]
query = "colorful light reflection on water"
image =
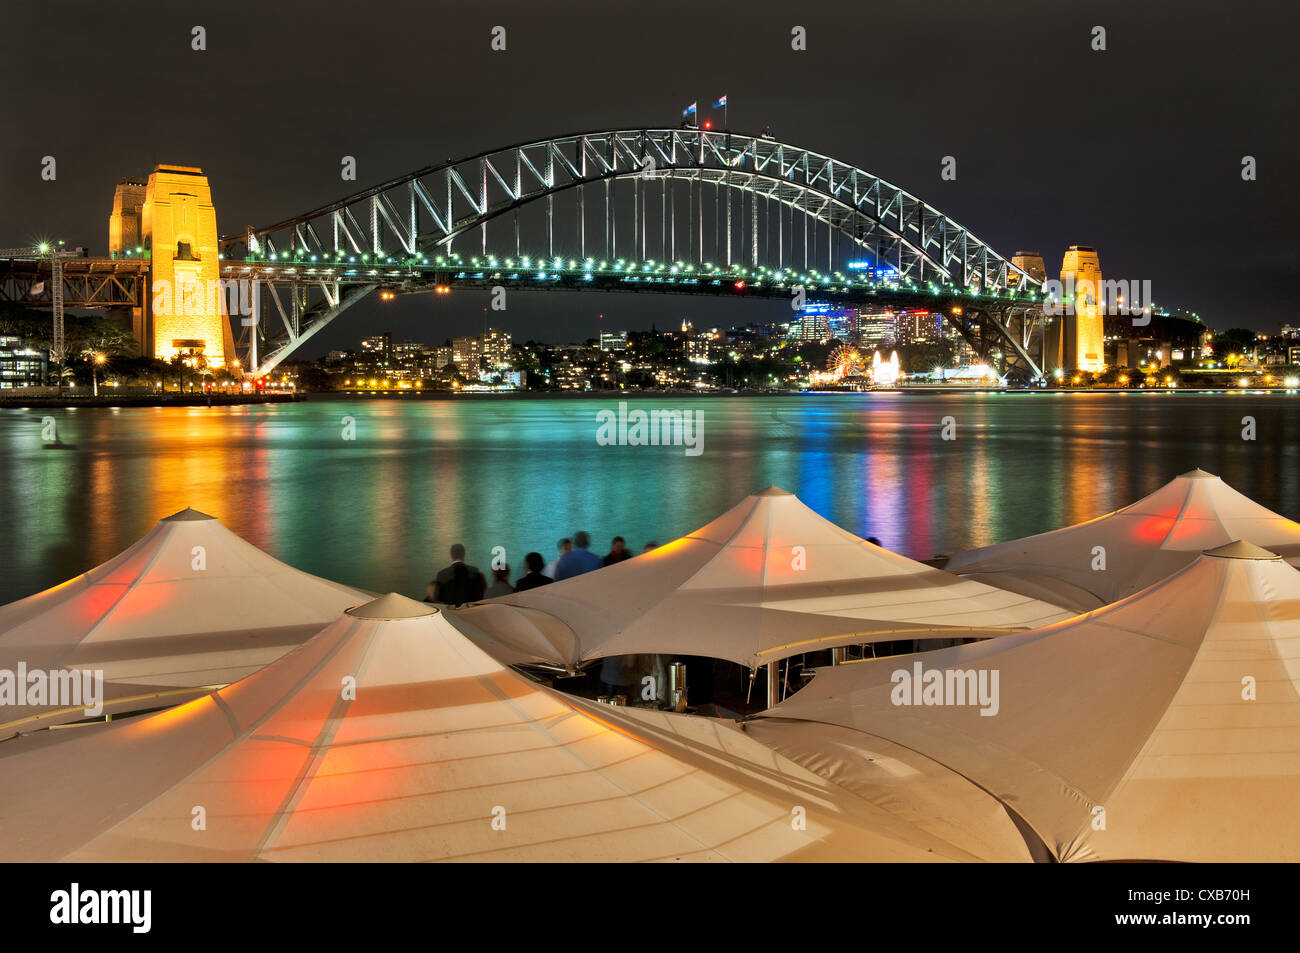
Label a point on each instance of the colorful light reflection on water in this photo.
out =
(381, 511)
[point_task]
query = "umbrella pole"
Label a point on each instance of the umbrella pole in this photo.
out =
(772, 675)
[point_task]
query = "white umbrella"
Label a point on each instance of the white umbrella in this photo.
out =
(188, 607)
(1113, 556)
(389, 737)
(766, 580)
(1163, 727)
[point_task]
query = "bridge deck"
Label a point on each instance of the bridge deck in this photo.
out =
(87, 282)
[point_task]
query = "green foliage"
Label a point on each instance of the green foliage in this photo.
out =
(1234, 339)
(82, 333)
(315, 378)
(921, 357)
(135, 371)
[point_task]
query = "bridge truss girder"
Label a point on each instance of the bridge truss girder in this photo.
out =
(297, 300)
(429, 211)
(287, 313)
(1005, 335)
(86, 283)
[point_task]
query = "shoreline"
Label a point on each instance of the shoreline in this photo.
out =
(694, 394)
(148, 400)
(231, 400)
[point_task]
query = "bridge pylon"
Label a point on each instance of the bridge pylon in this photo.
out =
(171, 217)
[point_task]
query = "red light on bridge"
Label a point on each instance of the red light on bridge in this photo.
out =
(740, 286)
(708, 124)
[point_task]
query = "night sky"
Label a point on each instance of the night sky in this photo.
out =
(1136, 150)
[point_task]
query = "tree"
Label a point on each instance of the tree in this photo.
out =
(184, 371)
(1233, 341)
(921, 357)
(96, 334)
(140, 371)
(34, 327)
(313, 377)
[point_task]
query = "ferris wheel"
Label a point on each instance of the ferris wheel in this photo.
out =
(845, 361)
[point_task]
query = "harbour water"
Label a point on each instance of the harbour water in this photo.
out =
(379, 506)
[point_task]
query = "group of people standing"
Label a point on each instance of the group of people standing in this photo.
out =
(460, 582)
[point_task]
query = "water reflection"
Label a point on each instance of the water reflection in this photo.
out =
(380, 511)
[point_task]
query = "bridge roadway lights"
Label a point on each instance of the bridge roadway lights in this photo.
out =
(709, 284)
(987, 312)
(400, 277)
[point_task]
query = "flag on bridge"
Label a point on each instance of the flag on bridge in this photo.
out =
(689, 111)
(721, 103)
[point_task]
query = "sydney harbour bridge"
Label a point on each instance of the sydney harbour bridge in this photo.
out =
(655, 210)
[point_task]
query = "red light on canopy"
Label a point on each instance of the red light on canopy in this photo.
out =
(1154, 529)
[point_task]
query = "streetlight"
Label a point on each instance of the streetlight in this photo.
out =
(94, 375)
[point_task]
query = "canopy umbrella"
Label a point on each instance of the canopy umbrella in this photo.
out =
(188, 607)
(766, 580)
(389, 737)
(929, 795)
(1113, 556)
(1163, 727)
(517, 635)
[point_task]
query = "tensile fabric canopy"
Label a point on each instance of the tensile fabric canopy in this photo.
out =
(188, 607)
(768, 579)
(390, 737)
(1113, 556)
(1164, 727)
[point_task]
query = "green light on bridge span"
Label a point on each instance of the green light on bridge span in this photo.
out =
(834, 281)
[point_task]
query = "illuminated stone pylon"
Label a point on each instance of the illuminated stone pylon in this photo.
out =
(1031, 263)
(174, 220)
(1085, 345)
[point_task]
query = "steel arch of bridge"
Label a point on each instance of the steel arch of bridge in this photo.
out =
(408, 227)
